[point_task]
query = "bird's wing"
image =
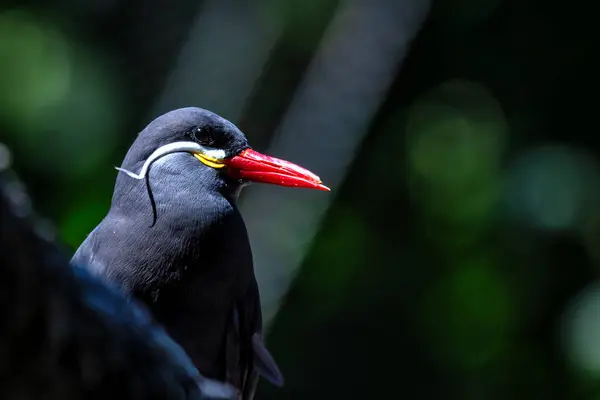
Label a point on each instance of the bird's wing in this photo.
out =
(264, 362)
(247, 355)
(132, 318)
(262, 359)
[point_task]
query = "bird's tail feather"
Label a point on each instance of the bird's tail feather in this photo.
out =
(264, 362)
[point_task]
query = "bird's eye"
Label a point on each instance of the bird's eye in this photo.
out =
(203, 136)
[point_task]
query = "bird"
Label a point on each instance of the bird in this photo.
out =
(67, 335)
(175, 239)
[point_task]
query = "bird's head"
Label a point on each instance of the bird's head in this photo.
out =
(215, 143)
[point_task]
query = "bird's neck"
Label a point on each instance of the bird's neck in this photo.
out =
(177, 193)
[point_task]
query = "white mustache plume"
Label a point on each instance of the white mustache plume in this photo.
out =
(177, 147)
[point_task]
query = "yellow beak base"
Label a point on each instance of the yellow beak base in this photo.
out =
(210, 161)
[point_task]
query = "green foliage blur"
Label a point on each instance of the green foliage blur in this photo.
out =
(459, 259)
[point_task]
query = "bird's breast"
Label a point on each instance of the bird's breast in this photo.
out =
(197, 306)
(189, 267)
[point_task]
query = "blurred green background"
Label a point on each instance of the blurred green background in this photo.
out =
(458, 256)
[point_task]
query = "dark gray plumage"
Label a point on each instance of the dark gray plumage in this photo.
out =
(177, 241)
(67, 336)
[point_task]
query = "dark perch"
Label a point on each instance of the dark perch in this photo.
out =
(66, 336)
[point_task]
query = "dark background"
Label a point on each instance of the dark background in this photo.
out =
(458, 254)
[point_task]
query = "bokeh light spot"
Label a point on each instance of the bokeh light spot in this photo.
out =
(456, 134)
(35, 69)
(581, 331)
(5, 157)
(468, 314)
(61, 100)
(553, 187)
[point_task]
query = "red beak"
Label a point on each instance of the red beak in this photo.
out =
(256, 167)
